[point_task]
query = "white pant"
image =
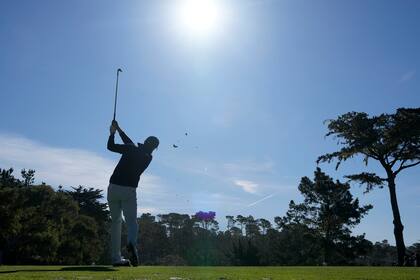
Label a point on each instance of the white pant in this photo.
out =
(122, 199)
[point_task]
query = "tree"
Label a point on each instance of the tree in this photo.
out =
(44, 220)
(241, 220)
(252, 228)
(7, 179)
(382, 253)
(264, 225)
(179, 230)
(230, 222)
(152, 239)
(391, 139)
(206, 220)
(173, 221)
(91, 204)
(11, 209)
(296, 244)
(329, 208)
(28, 177)
(46, 226)
(85, 234)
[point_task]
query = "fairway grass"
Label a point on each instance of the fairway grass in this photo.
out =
(217, 273)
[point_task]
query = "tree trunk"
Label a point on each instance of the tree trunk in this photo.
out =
(326, 252)
(398, 227)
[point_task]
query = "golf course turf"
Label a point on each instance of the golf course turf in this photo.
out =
(217, 273)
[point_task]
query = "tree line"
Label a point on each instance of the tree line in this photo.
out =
(43, 225)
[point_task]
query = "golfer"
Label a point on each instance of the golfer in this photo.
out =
(122, 191)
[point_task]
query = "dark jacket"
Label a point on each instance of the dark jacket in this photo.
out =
(133, 162)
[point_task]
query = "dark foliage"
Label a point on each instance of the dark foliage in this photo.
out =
(391, 139)
(40, 225)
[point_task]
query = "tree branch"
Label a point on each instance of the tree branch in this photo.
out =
(405, 166)
(399, 154)
(401, 165)
(371, 180)
(371, 154)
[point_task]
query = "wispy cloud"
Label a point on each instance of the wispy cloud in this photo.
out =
(256, 177)
(261, 200)
(61, 166)
(74, 167)
(156, 195)
(247, 186)
(407, 76)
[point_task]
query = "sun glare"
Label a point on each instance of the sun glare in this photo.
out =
(199, 18)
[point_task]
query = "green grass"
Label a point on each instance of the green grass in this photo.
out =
(218, 273)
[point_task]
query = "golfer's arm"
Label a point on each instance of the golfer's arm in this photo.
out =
(115, 147)
(124, 137)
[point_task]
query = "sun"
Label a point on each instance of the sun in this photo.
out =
(199, 18)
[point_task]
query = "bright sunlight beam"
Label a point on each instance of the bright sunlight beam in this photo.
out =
(199, 18)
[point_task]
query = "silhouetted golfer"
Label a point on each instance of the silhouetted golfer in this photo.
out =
(122, 190)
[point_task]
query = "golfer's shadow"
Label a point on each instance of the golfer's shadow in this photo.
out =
(88, 268)
(27, 270)
(68, 268)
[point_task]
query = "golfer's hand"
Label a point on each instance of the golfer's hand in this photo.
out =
(115, 123)
(117, 127)
(112, 128)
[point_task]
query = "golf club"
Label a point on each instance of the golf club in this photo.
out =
(116, 93)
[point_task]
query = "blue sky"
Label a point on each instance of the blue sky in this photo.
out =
(252, 97)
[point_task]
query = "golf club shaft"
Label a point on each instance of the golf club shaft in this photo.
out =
(116, 94)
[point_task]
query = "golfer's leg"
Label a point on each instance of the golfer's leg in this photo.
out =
(129, 207)
(115, 209)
